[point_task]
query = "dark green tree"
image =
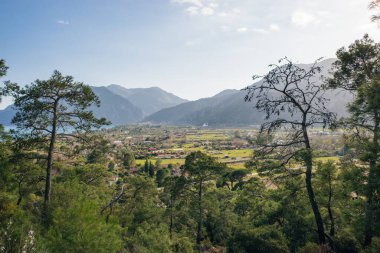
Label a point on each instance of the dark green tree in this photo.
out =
(3, 68)
(4, 91)
(76, 225)
(358, 70)
(326, 184)
(128, 159)
(146, 166)
(356, 65)
(3, 72)
(174, 190)
(51, 109)
(160, 176)
(151, 169)
(98, 149)
(201, 169)
(235, 175)
(157, 164)
(266, 239)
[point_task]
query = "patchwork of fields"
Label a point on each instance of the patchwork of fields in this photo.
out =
(234, 147)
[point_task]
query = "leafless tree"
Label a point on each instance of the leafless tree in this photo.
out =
(293, 101)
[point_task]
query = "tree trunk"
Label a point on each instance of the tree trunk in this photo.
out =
(200, 218)
(171, 218)
(50, 154)
(368, 233)
(372, 177)
(308, 159)
(331, 216)
(314, 206)
(19, 192)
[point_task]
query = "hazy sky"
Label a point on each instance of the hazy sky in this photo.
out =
(193, 48)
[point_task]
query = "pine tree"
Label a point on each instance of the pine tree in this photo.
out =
(151, 169)
(146, 166)
(53, 109)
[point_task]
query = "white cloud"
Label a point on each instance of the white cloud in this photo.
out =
(274, 27)
(192, 2)
(193, 43)
(242, 30)
(63, 22)
(192, 10)
(206, 8)
(323, 13)
(207, 11)
(213, 5)
(302, 19)
(230, 13)
(195, 10)
(225, 28)
(260, 30)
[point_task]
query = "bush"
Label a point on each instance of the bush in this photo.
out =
(310, 247)
(265, 239)
(79, 228)
(375, 247)
(346, 242)
(149, 238)
(182, 245)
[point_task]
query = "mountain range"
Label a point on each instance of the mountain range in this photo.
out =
(228, 108)
(120, 105)
(154, 105)
(148, 100)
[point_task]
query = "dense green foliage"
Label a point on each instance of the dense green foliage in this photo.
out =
(358, 70)
(102, 201)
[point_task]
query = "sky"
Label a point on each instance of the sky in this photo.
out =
(192, 48)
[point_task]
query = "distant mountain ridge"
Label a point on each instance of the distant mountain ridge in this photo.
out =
(149, 100)
(228, 107)
(223, 109)
(123, 105)
(120, 105)
(6, 115)
(115, 108)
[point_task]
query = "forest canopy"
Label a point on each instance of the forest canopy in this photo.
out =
(67, 184)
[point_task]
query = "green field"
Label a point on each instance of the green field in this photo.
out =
(326, 159)
(165, 162)
(240, 153)
(207, 136)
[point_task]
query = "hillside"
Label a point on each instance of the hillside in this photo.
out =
(149, 100)
(6, 115)
(115, 108)
(225, 108)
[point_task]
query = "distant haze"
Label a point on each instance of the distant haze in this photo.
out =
(154, 105)
(191, 48)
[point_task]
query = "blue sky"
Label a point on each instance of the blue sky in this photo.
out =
(193, 48)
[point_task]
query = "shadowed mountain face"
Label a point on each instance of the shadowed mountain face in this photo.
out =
(115, 108)
(228, 108)
(224, 109)
(6, 115)
(149, 100)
